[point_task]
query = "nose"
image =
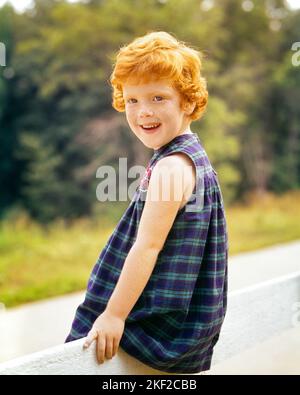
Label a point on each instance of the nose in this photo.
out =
(146, 113)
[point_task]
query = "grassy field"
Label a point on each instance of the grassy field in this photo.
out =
(38, 262)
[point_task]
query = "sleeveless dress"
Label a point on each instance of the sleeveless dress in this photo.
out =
(177, 319)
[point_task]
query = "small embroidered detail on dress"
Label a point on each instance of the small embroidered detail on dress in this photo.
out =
(145, 180)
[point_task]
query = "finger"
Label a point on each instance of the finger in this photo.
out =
(101, 348)
(115, 346)
(92, 335)
(109, 348)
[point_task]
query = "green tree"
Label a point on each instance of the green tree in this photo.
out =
(9, 164)
(284, 118)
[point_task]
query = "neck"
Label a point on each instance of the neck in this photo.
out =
(187, 130)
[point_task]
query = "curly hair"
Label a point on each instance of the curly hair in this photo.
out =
(159, 55)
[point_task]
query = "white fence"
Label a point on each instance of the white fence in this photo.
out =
(254, 314)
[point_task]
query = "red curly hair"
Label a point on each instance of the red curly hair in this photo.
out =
(159, 55)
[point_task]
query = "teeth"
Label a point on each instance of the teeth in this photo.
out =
(151, 126)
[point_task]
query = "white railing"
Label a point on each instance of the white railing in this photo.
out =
(254, 314)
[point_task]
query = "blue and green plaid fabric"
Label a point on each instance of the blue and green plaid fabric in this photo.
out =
(177, 319)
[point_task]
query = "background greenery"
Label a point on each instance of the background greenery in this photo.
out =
(57, 126)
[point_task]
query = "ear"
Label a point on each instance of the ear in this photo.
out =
(189, 107)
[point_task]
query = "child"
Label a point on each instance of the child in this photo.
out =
(159, 287)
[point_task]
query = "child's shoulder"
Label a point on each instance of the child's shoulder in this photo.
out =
(176, 159)
(182, 166)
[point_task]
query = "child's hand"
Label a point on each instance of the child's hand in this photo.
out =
(108, 330)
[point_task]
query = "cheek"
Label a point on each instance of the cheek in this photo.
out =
(170, 116)
(171, 112)
(132, 121)
(129, 117)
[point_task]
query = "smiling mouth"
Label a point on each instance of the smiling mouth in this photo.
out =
(150, 129)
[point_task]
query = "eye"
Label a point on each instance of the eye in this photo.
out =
(128, 101)
(159, 97)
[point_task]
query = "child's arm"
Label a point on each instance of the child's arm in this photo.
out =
(155, 223)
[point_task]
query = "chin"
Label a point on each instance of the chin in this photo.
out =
(146, 141)
(148, 145)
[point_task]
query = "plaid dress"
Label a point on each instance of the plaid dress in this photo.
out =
(177, 319)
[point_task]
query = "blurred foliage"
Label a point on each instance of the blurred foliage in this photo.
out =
(57, 125)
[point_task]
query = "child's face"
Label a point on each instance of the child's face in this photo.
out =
(154, 103)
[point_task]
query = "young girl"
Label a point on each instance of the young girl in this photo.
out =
(159, 287)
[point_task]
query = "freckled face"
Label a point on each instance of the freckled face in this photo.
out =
(154, 103)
